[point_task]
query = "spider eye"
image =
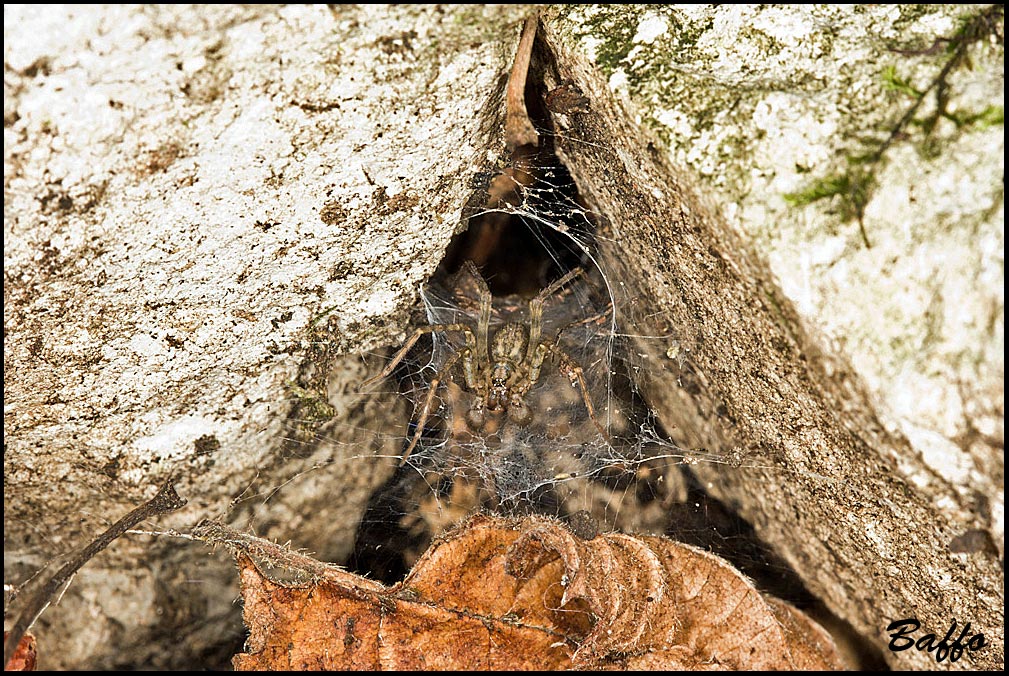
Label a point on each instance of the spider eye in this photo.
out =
(500, 374)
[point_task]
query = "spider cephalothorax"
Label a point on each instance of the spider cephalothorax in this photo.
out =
(507, 351)
(498, 374)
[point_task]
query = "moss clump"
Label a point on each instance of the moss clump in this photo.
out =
(311, 408)
(854, 185)
(616, 27)
(852, 188)
(894, 82)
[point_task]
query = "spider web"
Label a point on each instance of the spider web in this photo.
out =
(636, 478)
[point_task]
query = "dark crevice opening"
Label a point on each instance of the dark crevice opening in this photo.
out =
(518, 255)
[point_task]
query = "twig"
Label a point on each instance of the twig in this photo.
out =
(519, 129)
(167, 500)
(280, 556)
(970, 34)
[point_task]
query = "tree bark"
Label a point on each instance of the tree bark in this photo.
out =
(210, 214)
(812, 467)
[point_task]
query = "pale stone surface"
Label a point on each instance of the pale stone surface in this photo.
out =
(764, 101)
(186, 191)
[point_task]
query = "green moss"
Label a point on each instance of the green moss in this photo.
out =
(474, 24)
(977, 26)
(615, 26)
(687, 35)
(894, 82)
(310, 408)
(323, 314)
(764, 42)
(673, 73)
(854, 185)
(989, 117)
(853, 188)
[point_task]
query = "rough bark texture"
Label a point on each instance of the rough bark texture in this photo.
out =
(208, 213)
(818, 129)
(817, 473)
(202, 208)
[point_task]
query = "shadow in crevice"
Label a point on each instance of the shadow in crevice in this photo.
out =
(705, 522)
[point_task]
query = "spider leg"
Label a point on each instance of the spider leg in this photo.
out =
(594, 319)
(569, 367)
(431, 392)
(470, 343)
(536, 309)
(483, 327)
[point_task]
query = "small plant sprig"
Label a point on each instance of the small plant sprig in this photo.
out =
(855, 186)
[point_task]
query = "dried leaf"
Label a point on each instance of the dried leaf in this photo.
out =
(24, 654)
(501, 594)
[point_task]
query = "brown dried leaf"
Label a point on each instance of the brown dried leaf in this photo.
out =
(501, 594)
(24, 655)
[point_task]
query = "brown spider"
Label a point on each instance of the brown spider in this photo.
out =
(499, 373)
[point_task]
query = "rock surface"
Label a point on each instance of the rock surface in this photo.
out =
(210, 213)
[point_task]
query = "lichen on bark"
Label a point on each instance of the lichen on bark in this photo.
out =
(755, 104)
(209, 214)
(204, 211)
(822, 143)
(795, 118)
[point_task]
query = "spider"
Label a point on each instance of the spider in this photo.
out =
(501, 370)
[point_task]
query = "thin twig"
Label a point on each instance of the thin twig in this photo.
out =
(968, 36)
(167, 500)
(519, 129)
(280, 556)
